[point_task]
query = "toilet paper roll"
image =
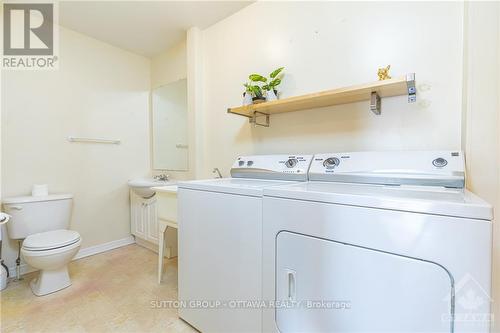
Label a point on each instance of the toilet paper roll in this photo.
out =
(40, 190)
(4, 218)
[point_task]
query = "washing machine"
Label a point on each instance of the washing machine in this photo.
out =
(220, 242)
(378, 242)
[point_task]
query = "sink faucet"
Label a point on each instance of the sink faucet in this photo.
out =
(217, 171)
(163, 177)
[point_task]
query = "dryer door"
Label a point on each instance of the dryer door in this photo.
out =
(345, 288)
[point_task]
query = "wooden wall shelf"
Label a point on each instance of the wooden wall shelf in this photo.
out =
(364, 92)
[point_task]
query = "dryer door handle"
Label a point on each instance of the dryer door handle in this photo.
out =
(292, 284)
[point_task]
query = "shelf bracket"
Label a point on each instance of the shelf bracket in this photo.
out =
(412, 90)
(253, 119)
(375, 103)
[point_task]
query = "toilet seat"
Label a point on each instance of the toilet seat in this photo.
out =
(51, 240)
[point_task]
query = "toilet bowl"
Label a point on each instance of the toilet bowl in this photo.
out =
(50, 252)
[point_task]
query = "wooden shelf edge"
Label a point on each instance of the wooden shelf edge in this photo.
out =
(404, 85)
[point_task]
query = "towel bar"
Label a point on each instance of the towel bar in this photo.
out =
(93, 140)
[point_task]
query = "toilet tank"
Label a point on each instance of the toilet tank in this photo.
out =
(31, 215)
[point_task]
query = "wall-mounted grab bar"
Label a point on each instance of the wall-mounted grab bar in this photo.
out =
(93, 140)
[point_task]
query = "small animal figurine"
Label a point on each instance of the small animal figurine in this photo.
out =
(383, 73)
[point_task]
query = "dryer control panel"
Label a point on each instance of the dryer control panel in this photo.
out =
(431, 168)
(276, 167)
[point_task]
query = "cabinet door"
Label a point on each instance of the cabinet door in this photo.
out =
(151, 221)
(141, 222)
(137, 225)
(345, 288)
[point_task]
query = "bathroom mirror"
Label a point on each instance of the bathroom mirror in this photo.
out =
(169, 124)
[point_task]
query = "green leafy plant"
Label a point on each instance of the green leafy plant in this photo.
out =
(257, 78)
(256, 86)
(274, 80)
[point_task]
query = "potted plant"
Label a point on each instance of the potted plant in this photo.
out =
(255, 89)
(270, 88)
(255, 92)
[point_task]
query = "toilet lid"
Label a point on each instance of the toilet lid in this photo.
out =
(51, 240)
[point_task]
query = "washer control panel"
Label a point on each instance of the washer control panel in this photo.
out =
(279, 167)
(433, 168)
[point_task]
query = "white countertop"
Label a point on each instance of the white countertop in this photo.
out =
(166, 189)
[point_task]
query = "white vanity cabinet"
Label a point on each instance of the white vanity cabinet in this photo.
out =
(144, 219)
(154, 222)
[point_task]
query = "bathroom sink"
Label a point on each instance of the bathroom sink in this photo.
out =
(142, 187)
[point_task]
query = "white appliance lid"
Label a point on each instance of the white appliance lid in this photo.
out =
(419, 199)
(51, 239)
(28, 199)
(240, 186)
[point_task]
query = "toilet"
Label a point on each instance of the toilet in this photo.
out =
(43, 222)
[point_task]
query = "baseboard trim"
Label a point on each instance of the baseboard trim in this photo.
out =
(96, 249)
(86, 252)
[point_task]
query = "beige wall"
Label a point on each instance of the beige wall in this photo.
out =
(196, 115)
(169, 66)
(482, 108)
(98, 91)
(496, 237)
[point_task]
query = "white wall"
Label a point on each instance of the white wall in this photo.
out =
(324, 45)
(98, 91)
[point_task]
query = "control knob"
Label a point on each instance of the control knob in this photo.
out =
(440, 162)
(291, 163)
(331, 162)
